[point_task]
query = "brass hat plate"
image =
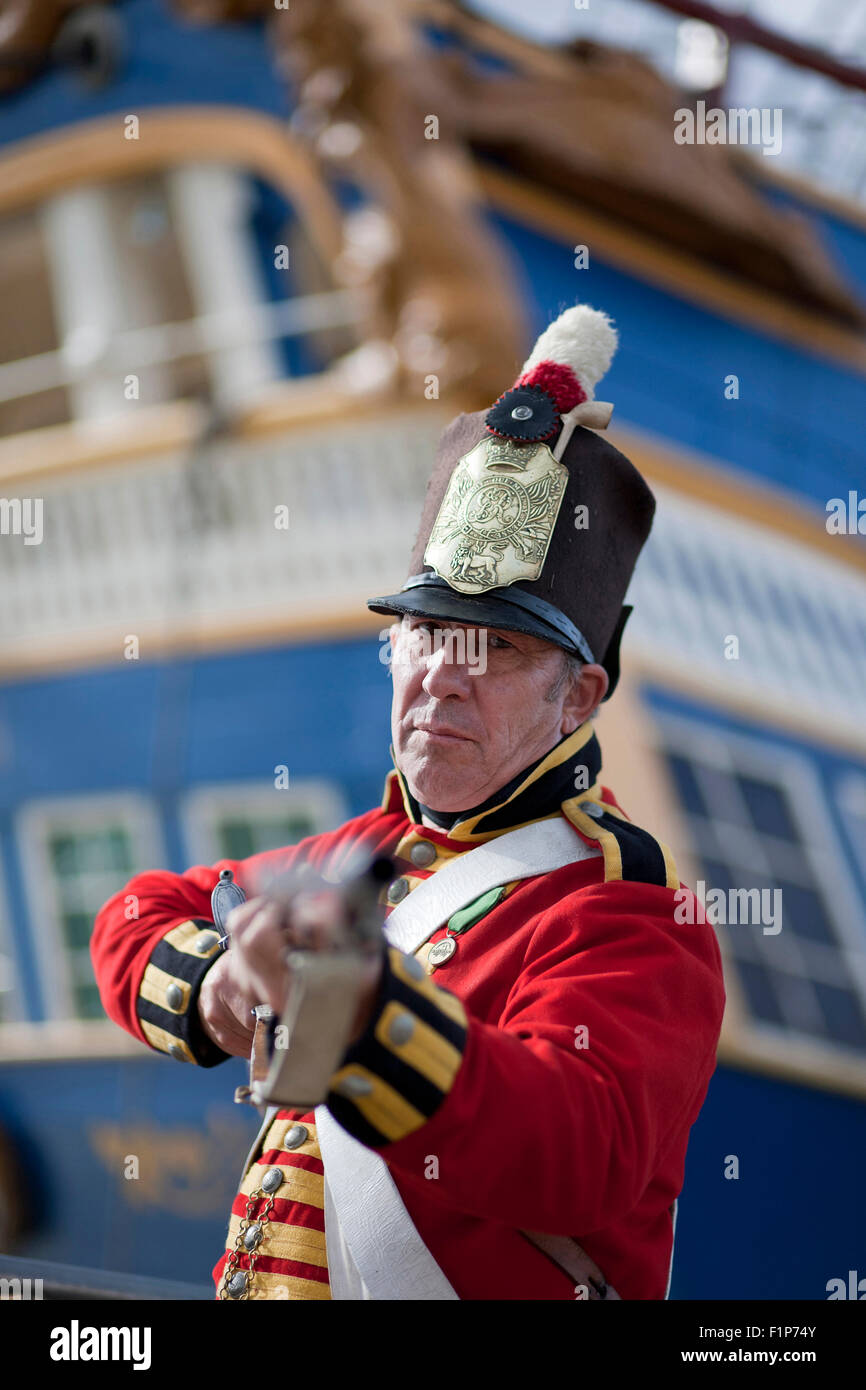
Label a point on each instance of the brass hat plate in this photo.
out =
(497, 516)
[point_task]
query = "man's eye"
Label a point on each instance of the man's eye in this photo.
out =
(494, 640)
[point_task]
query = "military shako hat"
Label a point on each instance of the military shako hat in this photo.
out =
(533, 522)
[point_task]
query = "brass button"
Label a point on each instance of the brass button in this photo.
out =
(174, 997)
(401, 1029)
(398, 890)
(352, 1086)
(177, 1052)
(204, 942)
(252, 1235)
(423, 854)
(272, 1180)
(296, 1136)
(413, 967)
(442, 951)
(591, 808)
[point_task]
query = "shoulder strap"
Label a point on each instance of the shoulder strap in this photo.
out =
(374, 1249)
(538, 848)
(630, 852)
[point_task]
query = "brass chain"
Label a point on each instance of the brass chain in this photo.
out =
(232, 1265)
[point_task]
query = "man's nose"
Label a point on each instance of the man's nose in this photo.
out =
(448, 670)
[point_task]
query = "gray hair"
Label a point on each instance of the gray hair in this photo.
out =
(569, 670)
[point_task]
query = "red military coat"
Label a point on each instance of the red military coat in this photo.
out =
(559, 1059)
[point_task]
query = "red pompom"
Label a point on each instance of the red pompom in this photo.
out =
(558, 380)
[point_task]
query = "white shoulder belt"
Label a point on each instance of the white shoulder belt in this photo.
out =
(374, 1250)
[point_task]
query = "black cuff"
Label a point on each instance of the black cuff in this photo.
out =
(398, 1073)
(167, 1004)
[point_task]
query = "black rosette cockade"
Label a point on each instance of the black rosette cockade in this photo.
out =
(525, 413)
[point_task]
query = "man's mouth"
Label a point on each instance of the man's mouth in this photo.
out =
(437, 731)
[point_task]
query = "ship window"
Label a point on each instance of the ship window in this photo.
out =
(27, 329)
(786, 910)
(86, 868)
(851, 796)
(197, 281)
(77, 853)
(236, 820)
(240, 836)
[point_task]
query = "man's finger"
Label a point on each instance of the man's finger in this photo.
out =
(240, 917)
(230, 1019)
(236, 1044)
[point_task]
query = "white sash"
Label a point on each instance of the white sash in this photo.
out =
(374, 1250)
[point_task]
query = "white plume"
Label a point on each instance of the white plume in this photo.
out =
(583, 338)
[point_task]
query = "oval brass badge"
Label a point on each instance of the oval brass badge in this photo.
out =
(442, 951)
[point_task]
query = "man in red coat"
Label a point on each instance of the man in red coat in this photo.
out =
(535, 1039)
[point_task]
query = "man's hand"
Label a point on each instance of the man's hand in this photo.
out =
(254, 971)
(225, 1012)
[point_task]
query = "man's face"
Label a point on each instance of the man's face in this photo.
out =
(462, 727)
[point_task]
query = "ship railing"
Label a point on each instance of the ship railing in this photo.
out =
(25, 1280)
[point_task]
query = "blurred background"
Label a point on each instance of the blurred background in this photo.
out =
(254, 258)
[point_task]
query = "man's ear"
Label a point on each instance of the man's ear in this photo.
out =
(585, 694)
